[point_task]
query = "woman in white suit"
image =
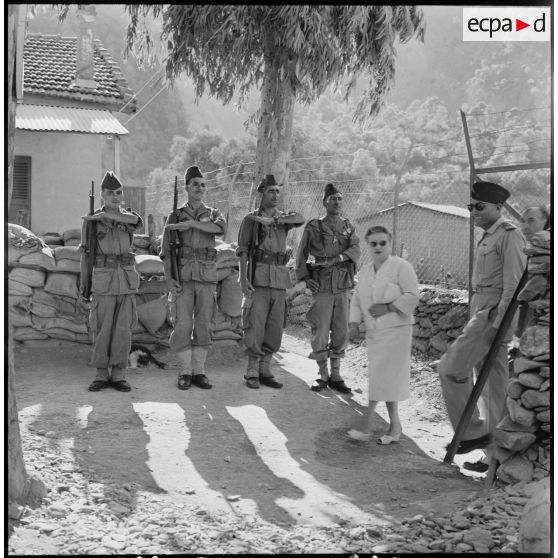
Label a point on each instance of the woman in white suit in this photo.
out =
(385, 298)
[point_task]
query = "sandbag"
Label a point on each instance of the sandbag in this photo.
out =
(21, 241)
(223, 272)
(153, 314)
(58, 323)
(226, 256)
(62, 284)
(23, 333)
(52, 240)
(19, 319)
(67, 253)
(62, 304)
(230, 297)
(68, 266)
(71, 234)
(72, 242)
(155, 246)
(40, 309)
(61, 333)
(226, 334)
(18, 289)
(16, 300)
(150, 265)
(142, 240)
(29, 277)
(142, 251)
(42, 260)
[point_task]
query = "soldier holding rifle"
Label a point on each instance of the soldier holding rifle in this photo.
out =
(499, 265)
(334, 246)
(264, 278)
(109, 275)
(188, 252)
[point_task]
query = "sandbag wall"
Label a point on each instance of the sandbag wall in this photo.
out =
(43, 290)
(522, 439)
(43, 287)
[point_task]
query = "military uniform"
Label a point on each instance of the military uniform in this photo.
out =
(499, 265)
(114, 284)
(264, 312)
(191, 335)
(328, 315)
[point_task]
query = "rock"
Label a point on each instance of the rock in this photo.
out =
(517, 468)
(513, 441)
(233, 498)
(544, 371)
(381, 548)
(509, 425)
(530, 380)
(535, 341)
(536, 286)
(375, 532)
(545, 385)
(515, 388)
(532, 398)
(456, 317)
(50, 434)
(15, 511)
(500, 454)
(518, 413)
(462, 547)
(543, 416)
(460, 521)
(534, 530)
(521, 364)
(440, 342)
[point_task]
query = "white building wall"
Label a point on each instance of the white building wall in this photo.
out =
(62, 167)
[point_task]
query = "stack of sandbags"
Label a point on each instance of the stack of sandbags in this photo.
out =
(52, 239)
(42, 300)
(522, 439)
(299, 299)
(72, 237)
(227, 260)
(226, 325)
(67, 259)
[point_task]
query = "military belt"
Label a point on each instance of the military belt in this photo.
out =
(271, 258)
(207, 254)
(115, 260)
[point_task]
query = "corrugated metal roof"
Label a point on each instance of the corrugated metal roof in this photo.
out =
(45, 118)
(449, 209)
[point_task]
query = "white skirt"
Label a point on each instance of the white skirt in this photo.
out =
(389, 363)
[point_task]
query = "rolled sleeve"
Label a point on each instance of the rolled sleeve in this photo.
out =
(302, 271)
(353, 250)
(245, 235)
(218, 219)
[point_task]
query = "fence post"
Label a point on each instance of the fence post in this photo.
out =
(396, 199)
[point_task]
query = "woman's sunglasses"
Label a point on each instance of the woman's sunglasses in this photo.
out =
(479, 206)
(374, 244)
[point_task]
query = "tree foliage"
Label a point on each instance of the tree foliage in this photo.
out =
(223, 47)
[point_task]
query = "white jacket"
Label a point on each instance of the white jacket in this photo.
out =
(395, 282)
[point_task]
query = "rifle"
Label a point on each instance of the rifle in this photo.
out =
(91, 229)
(174, 236)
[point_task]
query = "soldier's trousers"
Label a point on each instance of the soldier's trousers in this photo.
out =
(329, 319)
(195, 305)
(263, 321)
(111, 319)
(464, 359)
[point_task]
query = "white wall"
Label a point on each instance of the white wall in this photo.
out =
(62, 168)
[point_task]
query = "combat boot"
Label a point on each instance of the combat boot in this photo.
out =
(185, 375)
(199, 354)
(335, 382)
(322, 382)
(266, 377)
(252, 372)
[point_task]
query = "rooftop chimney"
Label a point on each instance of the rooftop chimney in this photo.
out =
(85, 67)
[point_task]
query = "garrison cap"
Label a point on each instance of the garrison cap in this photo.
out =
(192, 172)
(489, 192)
(329, 190)
(110, 182)
(268, 180)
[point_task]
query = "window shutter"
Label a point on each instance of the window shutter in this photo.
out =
(22, 178)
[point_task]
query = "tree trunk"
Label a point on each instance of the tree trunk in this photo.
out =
(21, 488)
(275, 128)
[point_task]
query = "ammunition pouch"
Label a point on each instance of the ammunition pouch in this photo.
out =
(115, 260)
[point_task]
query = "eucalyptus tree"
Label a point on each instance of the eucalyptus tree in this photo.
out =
(290, 52)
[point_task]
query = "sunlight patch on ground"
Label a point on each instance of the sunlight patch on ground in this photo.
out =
(28, 415)
(82, 415)
(320, 505)
(172, 470)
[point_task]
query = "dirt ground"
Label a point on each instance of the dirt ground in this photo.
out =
(279, 454)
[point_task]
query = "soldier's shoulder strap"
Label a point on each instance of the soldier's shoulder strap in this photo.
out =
(509, 226)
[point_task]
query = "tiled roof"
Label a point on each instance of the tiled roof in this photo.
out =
(46, 118)
(449, 209)
(49, 68)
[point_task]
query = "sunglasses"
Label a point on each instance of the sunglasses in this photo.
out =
(374, 244)
(479, 206)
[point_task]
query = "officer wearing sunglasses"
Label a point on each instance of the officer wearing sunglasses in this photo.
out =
(499, 265)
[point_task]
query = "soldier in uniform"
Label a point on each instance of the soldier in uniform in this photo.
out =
(114, 283)
(264, 278)
(499, 265)
(197, 226)
(332, 242)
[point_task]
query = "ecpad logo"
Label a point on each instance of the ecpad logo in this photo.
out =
(506, 24)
